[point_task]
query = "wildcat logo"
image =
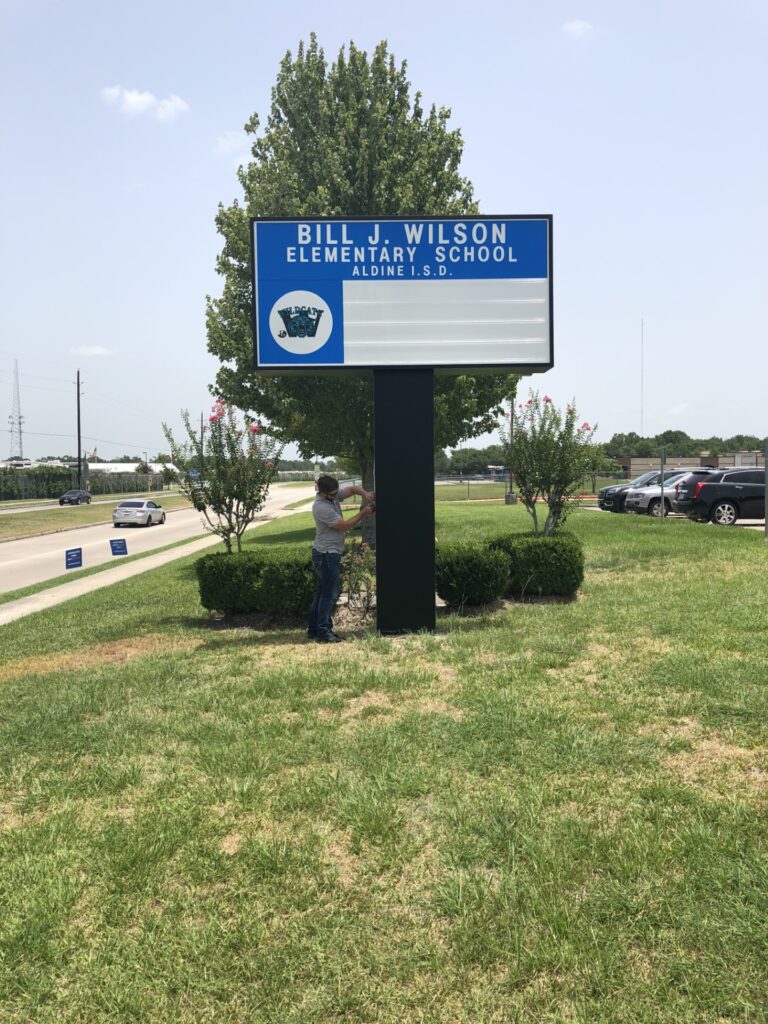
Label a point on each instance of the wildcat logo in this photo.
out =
(300, 321)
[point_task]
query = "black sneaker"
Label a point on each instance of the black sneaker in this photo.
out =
(330, 639)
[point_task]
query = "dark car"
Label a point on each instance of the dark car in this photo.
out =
(686, 483)
(724, 496)
(612, 499)
(75, 498)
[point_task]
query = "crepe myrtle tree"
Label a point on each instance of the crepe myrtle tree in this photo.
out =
(226, 470)
(551, 455)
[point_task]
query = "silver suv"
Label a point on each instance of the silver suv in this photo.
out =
(647, 499)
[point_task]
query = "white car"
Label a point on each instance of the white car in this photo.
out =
(137, 512)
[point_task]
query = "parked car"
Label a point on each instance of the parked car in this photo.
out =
(648, 500)
(75, 498)
(652, 479)
(686, 483)
(725, 496)
(611, 499)
(137, 512)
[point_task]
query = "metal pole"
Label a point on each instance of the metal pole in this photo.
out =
(663, 464)
(642, 339)
(79, 463)
(405, 464)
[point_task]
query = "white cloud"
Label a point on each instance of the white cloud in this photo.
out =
(578, 29)
(134, 103)
(90, 350)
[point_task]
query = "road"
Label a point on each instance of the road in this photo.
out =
(35, 559)
(107, 500)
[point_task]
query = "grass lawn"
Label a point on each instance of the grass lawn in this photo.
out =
(551, 813)
(34, 522)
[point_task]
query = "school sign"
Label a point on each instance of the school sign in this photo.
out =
(374, 293)
(401, 299)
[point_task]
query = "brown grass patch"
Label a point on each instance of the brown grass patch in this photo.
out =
(231, 843)
(116, 652)
(711, 760)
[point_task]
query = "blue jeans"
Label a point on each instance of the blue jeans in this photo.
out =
(327, 568)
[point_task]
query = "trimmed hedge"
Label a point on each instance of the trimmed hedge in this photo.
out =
(278, 581)
(470, 574)
(542, 566)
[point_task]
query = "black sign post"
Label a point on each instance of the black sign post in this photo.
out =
(403, 409)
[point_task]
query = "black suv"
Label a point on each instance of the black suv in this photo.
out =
(611, 499)
(75, 498)
(724, 496)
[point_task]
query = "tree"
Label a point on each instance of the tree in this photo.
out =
(238, 465)
(346, 140)
(551, 456)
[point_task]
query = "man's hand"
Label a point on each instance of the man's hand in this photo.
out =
(368, 495)
(367, 510)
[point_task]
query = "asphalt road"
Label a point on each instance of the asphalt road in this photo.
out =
(107, 500)
(35, 559)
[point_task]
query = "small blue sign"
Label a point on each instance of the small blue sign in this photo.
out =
(119, 546)
(74, 558)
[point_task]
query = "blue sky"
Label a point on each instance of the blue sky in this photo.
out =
(639, 126)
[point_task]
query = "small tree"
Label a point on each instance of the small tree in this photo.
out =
(551, 456)
(235, 466)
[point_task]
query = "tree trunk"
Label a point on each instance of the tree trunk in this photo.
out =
(368, 525)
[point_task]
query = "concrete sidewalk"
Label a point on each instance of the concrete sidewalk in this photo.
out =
(74, 588)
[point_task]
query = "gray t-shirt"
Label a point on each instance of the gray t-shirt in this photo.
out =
(324, 513)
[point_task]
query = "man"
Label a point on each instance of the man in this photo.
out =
(327, 551)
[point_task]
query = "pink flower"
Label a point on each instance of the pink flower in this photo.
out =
(547, 400)
(585, 426)
(270, 463)
(254, 428)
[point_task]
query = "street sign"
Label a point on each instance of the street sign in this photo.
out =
(119, 546)
(73, 558)
(451, 294)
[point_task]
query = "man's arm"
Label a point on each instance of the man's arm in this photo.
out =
(342, 525)
(368, 495)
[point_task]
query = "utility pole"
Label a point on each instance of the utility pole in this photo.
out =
(16, 419)
(642, 339)
(79, 448)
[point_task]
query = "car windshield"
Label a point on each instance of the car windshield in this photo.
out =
(640, 481)
(131, 504)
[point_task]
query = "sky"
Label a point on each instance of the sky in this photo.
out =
(639, 126)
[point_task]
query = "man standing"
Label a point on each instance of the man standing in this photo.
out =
(327, 551)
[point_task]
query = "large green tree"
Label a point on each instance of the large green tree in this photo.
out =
(345, 139)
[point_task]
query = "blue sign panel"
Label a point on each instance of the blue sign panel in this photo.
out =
(73, 558)
(119, 546)
(403, 292)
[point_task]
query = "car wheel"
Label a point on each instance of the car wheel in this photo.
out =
(162, 518)
(655, 508)
(76, 501)
(149, 521)
(724, 513)
(116, 525)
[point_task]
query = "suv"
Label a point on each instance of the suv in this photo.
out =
(75, 498)
(652, 479)
(725, 496)
(611, 499)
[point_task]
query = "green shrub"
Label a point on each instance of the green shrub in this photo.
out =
(540, 566)
(470, 574)
(275, 581)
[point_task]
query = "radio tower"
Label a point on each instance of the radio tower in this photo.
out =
(16, 419)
